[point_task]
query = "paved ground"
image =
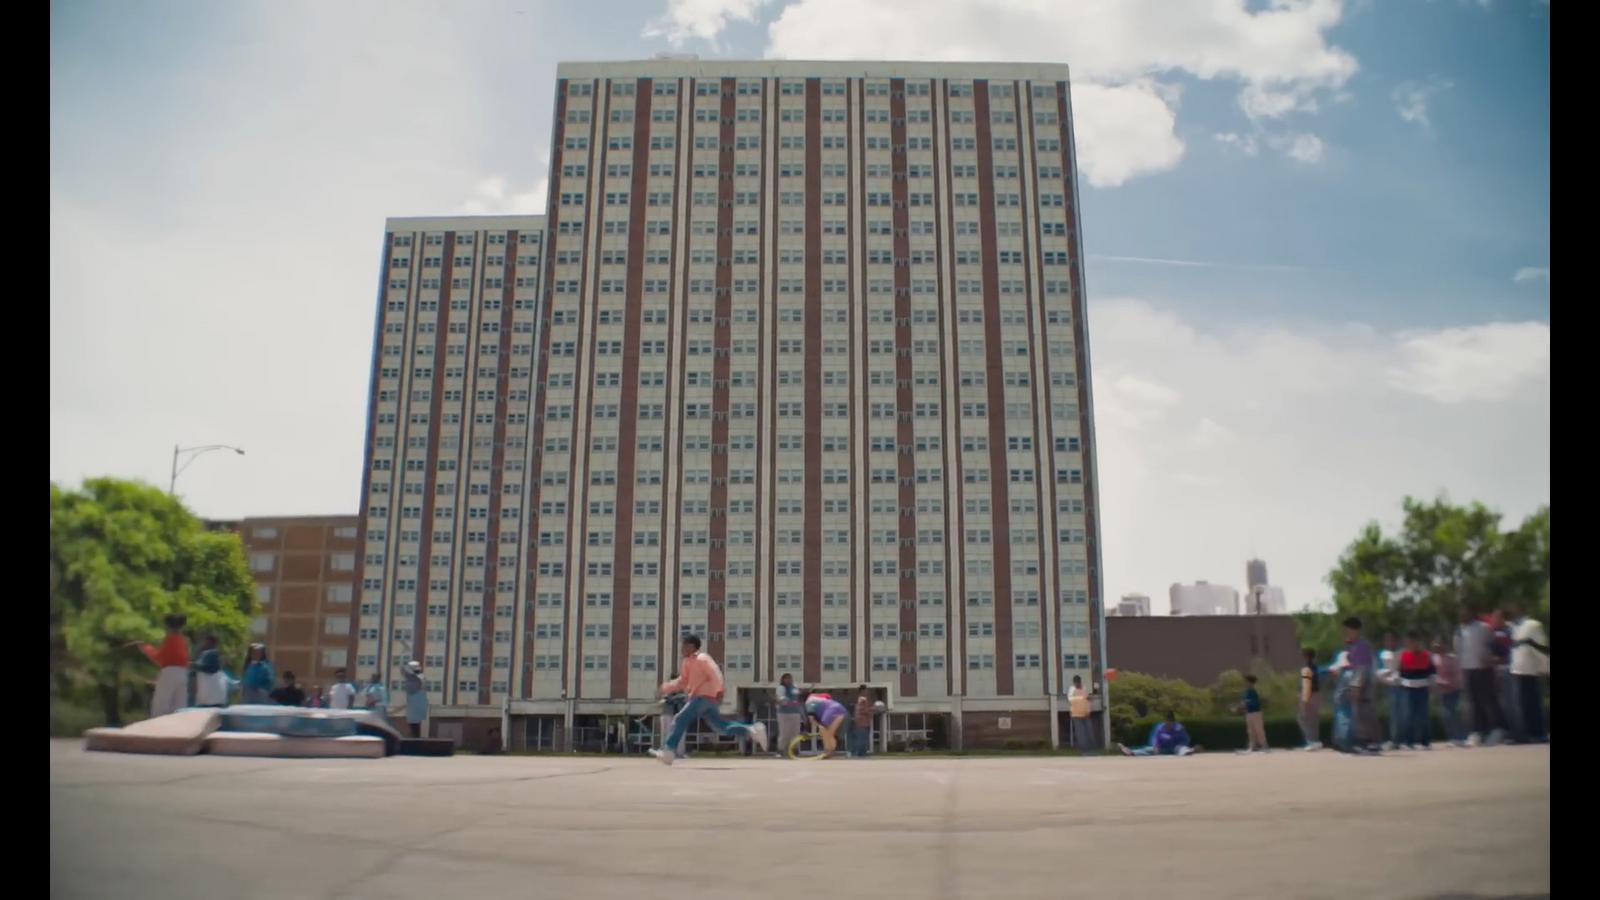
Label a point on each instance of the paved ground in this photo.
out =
(1284, 826)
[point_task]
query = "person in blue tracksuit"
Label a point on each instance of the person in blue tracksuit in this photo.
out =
(1168, 738)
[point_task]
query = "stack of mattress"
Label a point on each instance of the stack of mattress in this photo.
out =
(255, 730)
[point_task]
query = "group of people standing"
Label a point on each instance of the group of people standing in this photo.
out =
(1498, 661)
(215, 686)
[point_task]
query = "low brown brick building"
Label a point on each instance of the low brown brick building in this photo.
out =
(1197, 649)
(305, 573)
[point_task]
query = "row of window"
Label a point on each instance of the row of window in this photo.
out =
(468, 238)
(796, 87)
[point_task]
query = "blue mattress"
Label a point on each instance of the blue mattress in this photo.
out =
(294, 721)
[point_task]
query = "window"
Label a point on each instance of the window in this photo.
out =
(264, 593)
(263, 562)
(337, 593)
(268, 533)
(343, 562)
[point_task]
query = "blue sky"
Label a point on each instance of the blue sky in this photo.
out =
(1357, 186)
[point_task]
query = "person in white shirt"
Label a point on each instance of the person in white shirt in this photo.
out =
(342, 692)
(1078, 706)
(1530, 661)
(1389, 676)
(1477, 670)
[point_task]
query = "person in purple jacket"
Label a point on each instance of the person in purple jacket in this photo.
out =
(1363, 688)
(1166, 739)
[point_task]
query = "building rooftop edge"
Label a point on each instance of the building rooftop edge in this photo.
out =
(819, 68)
(463, 223)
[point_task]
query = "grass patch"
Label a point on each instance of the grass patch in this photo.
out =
(71, 720)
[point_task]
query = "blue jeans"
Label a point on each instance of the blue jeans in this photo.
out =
(1419, 730)
(860, 739)
(1344, 726)
(702, 708)
(1399, 731)
(1450, 712)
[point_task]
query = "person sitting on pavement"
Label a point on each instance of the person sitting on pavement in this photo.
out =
(1166, 739)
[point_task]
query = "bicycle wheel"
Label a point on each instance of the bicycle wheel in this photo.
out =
(795, 746)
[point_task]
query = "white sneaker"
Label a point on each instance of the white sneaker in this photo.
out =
(1125, 750)
(1185, 751)
(758, 733)
(1473, 741)
(1313, 747)
(1389, 747)
(1497, 736)
(665, 756)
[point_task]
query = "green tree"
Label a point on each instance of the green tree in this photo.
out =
(1320, 631)
(1442, 556)
(122, 555)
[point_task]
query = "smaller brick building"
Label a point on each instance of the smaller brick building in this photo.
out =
(1197, 649)
(305, 573)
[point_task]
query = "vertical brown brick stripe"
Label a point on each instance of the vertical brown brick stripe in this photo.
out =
(994, 377)
(491, 567)
(366, 477)
(628, 423)
(811, 668)
(1080, 359)
(672, 456)
(717, 557)
(765, 351)
(541, 394)
(955, 509)
(905, 427)
(588, 350)
(440, 356)
(1043, 449)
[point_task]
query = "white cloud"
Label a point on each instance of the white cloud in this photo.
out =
(494, 197)
(1123, 132)
(704, 20)
(1482, 362)
(213, 261)
(1247, 144)
(1531, 274)
(1124, 55)
(1305, 148)
(1287, 440)
(1411, 99)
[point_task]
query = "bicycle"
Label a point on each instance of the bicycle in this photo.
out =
(794, 750)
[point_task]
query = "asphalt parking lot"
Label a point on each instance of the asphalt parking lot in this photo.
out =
(1440, 824)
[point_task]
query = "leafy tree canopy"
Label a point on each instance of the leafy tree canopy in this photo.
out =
(1442, 557)
(122, 555)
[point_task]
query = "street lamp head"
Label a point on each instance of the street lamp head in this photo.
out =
(238, 451)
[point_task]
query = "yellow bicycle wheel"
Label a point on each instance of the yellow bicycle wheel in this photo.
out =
(795, 746)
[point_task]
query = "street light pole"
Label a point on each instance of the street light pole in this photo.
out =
(178, 452)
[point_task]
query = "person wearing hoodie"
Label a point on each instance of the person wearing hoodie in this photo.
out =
(259, 678)
(416, 692)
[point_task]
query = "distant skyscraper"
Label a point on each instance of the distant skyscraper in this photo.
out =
(1134, 605)
(1203, 599)
(1255, 572)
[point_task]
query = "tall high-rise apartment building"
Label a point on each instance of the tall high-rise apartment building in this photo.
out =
(444, 540)
(812, 381)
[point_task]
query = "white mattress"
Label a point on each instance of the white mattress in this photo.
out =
(250, 743)
(182, 733)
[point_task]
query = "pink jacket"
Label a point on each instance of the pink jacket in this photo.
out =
(698, 676)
